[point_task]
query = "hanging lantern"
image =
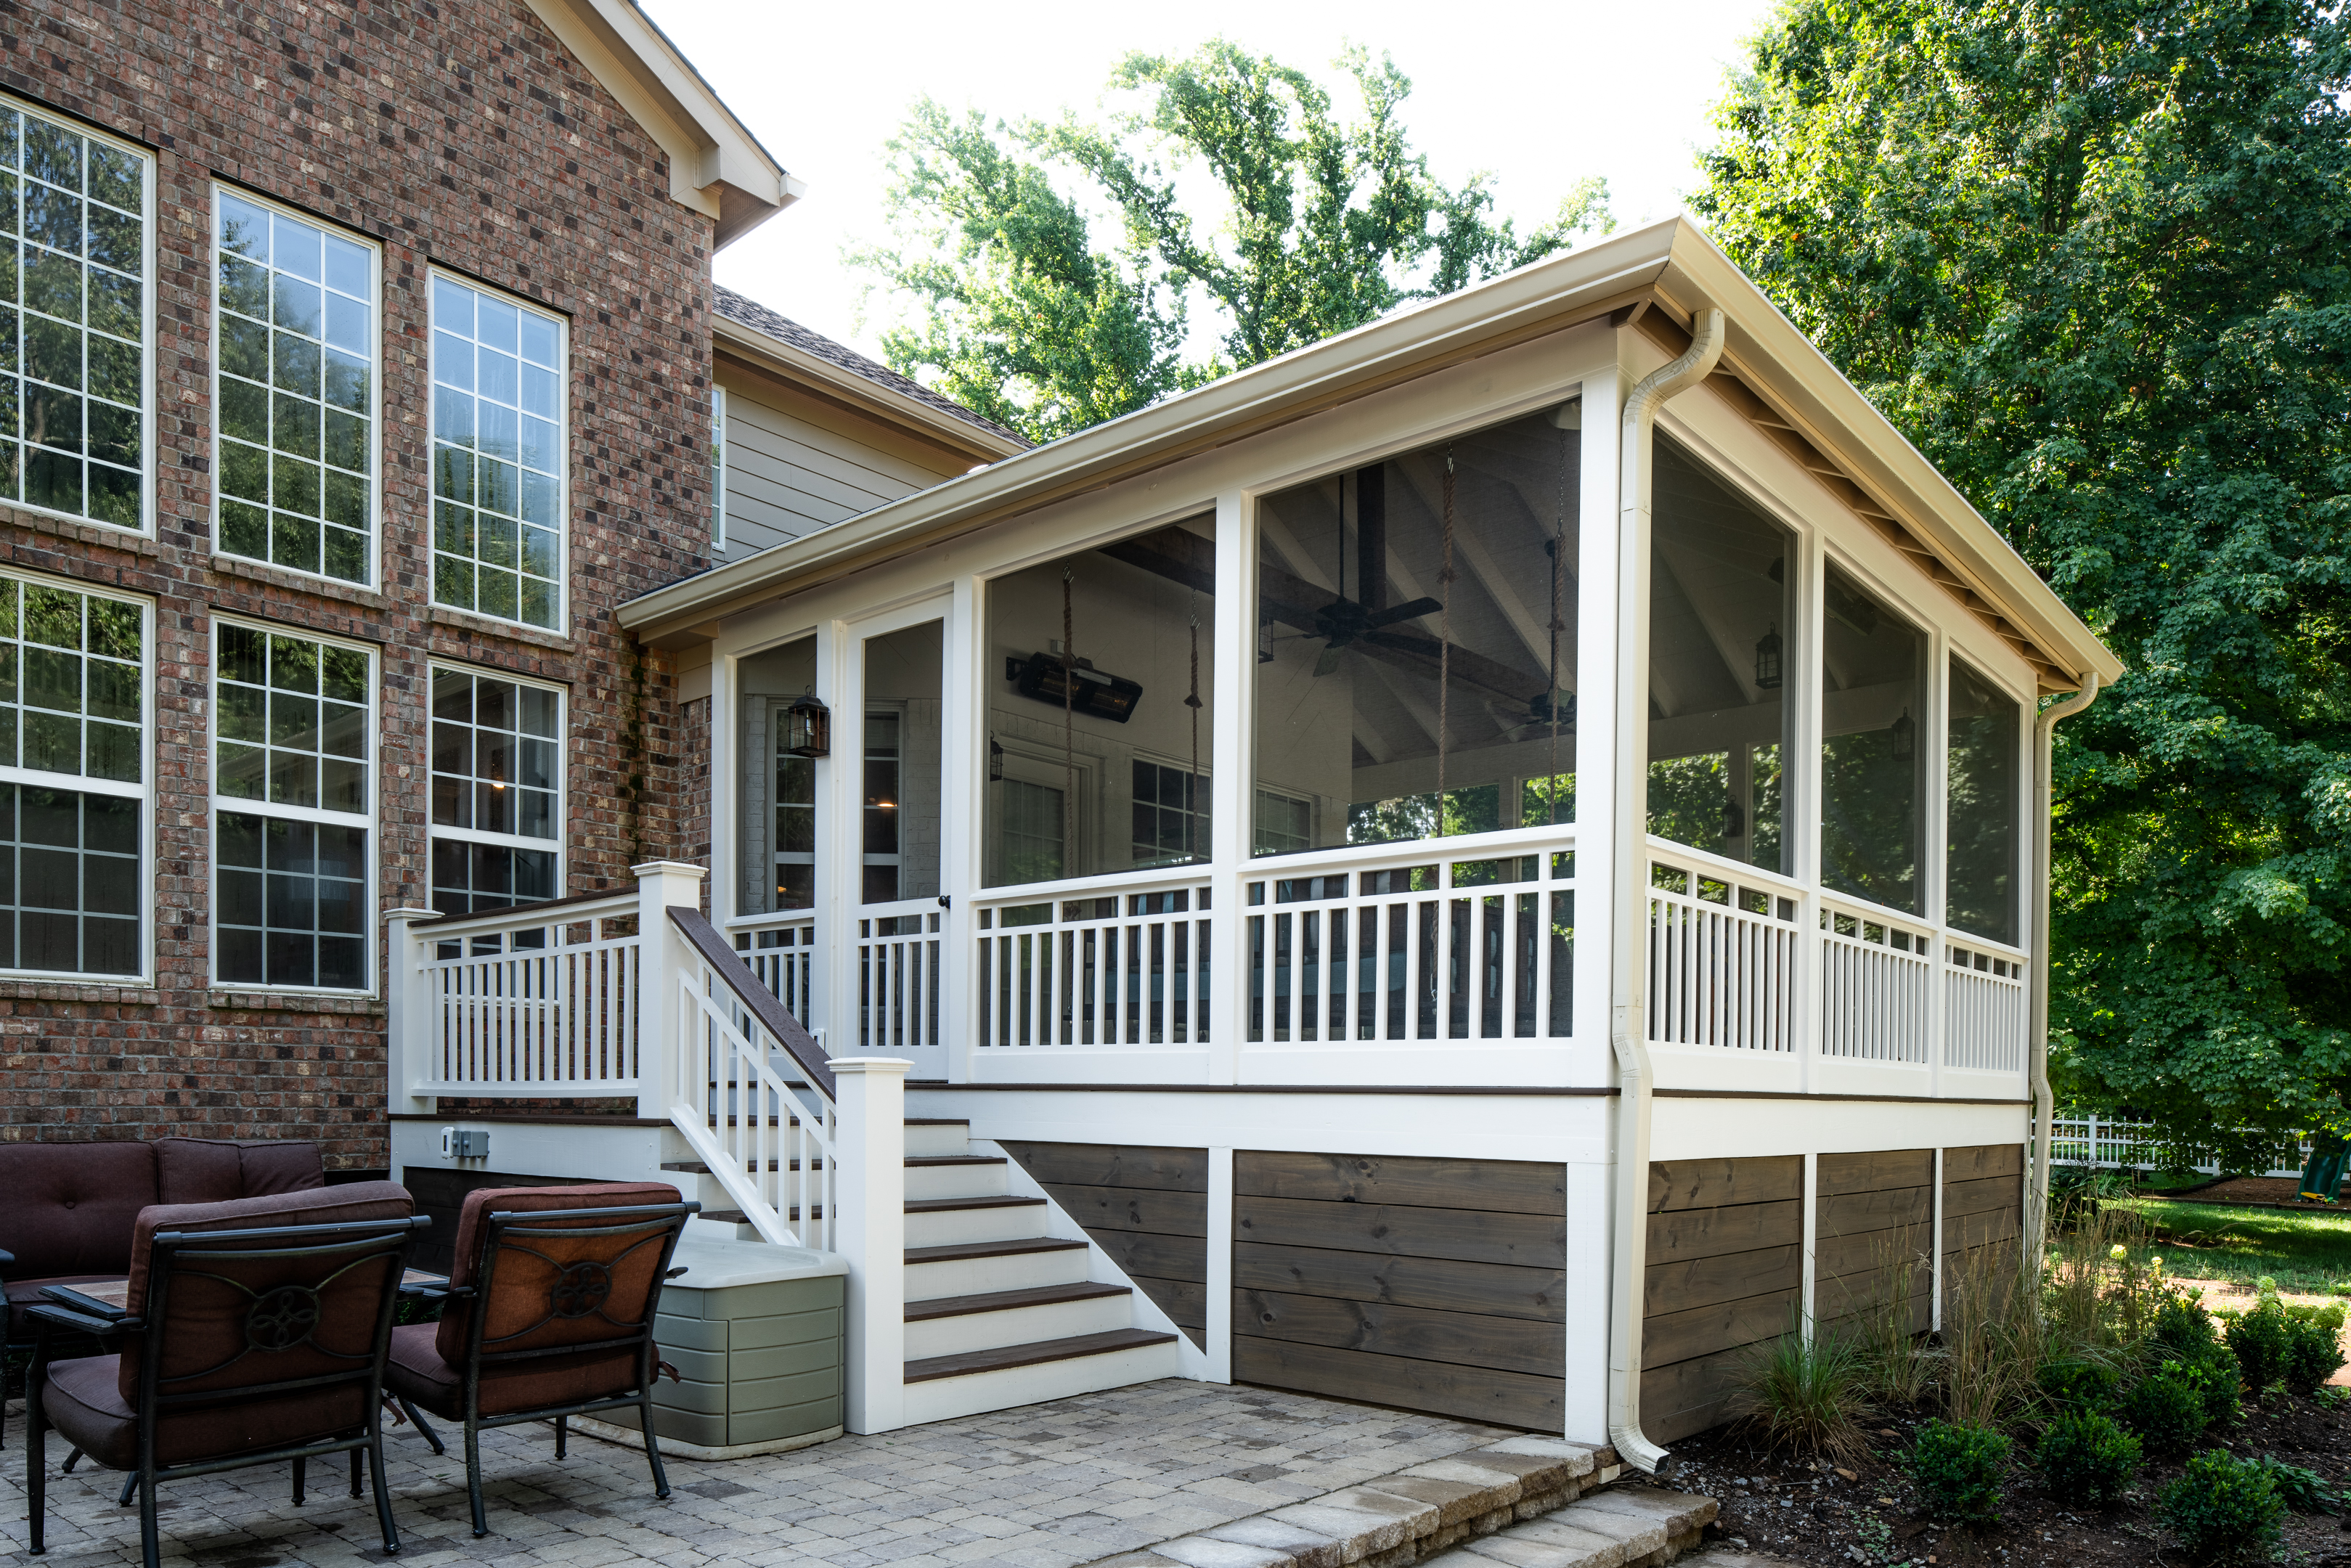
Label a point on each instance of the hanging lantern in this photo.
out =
(1767, 660)
(807, 728)
(1906, 737)
(995, 761)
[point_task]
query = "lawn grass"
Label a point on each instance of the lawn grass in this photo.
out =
(2211, 1241)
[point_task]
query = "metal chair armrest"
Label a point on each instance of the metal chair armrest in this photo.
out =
(82, 1322)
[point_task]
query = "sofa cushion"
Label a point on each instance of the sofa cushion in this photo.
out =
(84, 1400)
(69, 1207)
(417, 1372)
(521, 1287)
(221, 1170)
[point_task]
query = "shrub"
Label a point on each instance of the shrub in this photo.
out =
(2087, 1458)
(2074, 1383)
(2313, 1346)
(2184, 1328)
(2223, 1510)
(1958, 1470)
(2263, 1339)
(1807, 1397)
(2305, 1491)
(2167, 1409)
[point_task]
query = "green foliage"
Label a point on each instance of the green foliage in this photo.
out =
(1319, 226)
(2223, 1510)
(2313, 1346)
(1959, 1466)
(2184, 1328)
(2302, 1491)
(2074, 1383)
(1807, 1398)
(2167, 1408)
(2088, 1460)
(2263, 1340)
(2091, 259)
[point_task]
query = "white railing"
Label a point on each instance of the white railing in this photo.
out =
(897, 975)
(1103, 968)
(2128, 1143)
(781, 950)
(539, 1003)
(1422, 942)
(1876, 977)
(1723, 967)
(1984, 1014)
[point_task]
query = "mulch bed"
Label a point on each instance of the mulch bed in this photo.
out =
(1810, 1512)
(2250, 1192)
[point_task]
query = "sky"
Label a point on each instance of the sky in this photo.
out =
(1539, 96)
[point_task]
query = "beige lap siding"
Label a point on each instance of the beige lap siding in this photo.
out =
(1146, 1207)
(1725, 1273)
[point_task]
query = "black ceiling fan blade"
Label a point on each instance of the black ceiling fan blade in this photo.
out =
(1412, 611)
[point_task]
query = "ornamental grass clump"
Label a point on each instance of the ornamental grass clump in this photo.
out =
(2087, 1460)
(1807, 1397)
(2223, 1510)
(1959, 1469)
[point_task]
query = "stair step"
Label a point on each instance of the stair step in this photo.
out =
(945, 1204)
(1036, 1354)
(928, 1160)
(938, 1120)
(699, 1167)
(722, 1216)
(1005, 1301)
(959, 1251)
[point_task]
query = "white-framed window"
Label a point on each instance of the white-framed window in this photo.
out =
(497, 790)
(75, 792)
(293, 809)
(294, 383)
(498, 422)
(78, 320)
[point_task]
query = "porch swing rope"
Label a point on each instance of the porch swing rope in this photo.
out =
(1445, 644)
(1068, 714)
(1192, 701)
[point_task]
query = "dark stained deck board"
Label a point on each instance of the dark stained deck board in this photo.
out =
(1463, 1338)
(1160, 1212)
(1691, 1395)
(1146, 1207)
(1500, 1290)
(1670, 1337)
(1113, 1165)
(1872, 1251)
(1716, 1184)
(1726, 1277)
(1033, 1354)
(1985, 1195)
(1889, 1209)
(1504, 1187)
(1468, 1235)
(1983, 1160)
(1874, 1171)
(1468, 1393)
(1710, 1232)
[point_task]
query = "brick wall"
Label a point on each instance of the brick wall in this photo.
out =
(457, 135)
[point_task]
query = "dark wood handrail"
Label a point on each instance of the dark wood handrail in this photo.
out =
(728, 966)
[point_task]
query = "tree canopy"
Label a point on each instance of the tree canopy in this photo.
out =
(1234, 186)
(2094, 256)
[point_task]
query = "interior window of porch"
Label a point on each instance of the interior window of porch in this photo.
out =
(1873, 750)
(899, 831)
(776, 790)
(1102, 673)
(1416, 649)
(1720, 611)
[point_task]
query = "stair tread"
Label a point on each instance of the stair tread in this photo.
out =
(701, 1168)
(957, 1160)
(1033, 1354)
(1005, 1301)
(947, 1205)
(958, 1250)
(938, 1120)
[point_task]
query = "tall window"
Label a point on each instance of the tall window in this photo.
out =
(1874, 746)
(293, 799)
(497, 456)
(498, 791)
(1984, 805)
(899, 831)
(73, 327)
(73, 780)
(295, 328)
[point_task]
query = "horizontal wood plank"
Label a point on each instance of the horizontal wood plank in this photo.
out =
(1865, 1294)
(1161, 1256)
(1132, 1208)
(1531, 1240)
(1447, 1284)
(1875, 1170)
(1692, 1395)
(1983, 1160)
(1982, 1195)
(1874, 1252)
(1463, 1338)
(1186, 1301)
(1469, 1392)
(1710, 1232)
(1502, 1186)
(1114, 1165)
(1712, 1184)
(1968, 1230)
(1702, 1282)
(1884, 1208)
(1670, 1337)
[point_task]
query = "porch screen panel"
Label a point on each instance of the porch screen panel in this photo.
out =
(1872, 747)
(1416, 644)
(1101, 680)
(1985, 799)
(775, 827)
(900, 826)
(1720, 616)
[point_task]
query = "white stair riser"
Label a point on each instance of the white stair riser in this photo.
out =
(949, 1226)
(976, 1276)
(944, 1398)
(950, 1138)
(1016, 1325)
(957, 1181)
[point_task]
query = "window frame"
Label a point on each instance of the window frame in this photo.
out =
(370, 960)
(143, 792)
(374, 582)
(433, 276)
(150, 260)
(1954, 650)
(562, 842)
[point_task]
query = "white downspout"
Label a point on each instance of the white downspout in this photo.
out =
(1627, 1021)
(2036, 1199)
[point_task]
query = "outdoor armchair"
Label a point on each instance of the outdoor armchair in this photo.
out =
(255, 1332)
(549, 1316)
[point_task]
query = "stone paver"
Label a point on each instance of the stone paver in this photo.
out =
(1045, 1486)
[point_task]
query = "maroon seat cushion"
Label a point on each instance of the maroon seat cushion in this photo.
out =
(84, 1400)
(628, 1287)
(222, 1170)
(416, 1372)
(68, 1208)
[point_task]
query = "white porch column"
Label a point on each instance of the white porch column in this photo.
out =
(869, 1145)
(408, 1012)
(659, 884)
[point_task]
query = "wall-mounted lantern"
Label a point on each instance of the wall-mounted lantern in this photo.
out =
(995, 760)
(1906, 737)
(1767, 660)
(807, 728)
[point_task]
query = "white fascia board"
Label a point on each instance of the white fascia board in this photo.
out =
(711, 155)
(889, 402)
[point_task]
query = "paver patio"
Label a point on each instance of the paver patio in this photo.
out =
(1045, 1486)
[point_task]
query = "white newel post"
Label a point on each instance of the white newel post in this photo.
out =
(408, 1034)
(869, 1143)
(659, 884)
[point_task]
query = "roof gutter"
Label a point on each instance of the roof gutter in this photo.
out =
(2036, 1199)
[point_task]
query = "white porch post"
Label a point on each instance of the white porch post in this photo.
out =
(659, 884)
(408, 1012)
(1232, 774)
(869, 1143)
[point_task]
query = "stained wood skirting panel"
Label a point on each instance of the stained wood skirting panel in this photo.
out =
(1725, 1272)
(1428, 1284)
(1875, 1221)
(1983, 1214)
(1146, 1207)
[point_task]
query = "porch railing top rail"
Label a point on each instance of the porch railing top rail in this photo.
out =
(727, 965)
(581, 907)
(1099, 883)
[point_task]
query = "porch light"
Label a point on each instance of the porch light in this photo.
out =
(1906, 737)
(1041, 677)
(807, 728)
(1767, 660)
(995, 761)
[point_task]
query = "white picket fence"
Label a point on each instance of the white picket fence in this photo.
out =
(2115, 1143)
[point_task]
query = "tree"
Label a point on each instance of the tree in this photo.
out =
(1320, 227)
(2094, 257)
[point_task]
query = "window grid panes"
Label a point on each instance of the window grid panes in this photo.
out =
(72, 682)
(498, 783)
(69, 863)
(1171, 815)
(497, 456)
(295, 351)
(73, 312)
(292, 795)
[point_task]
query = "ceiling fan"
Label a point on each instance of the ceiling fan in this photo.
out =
(1345, 622)
(1540, 710)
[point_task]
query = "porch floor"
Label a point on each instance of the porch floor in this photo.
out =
(1044, 1486)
